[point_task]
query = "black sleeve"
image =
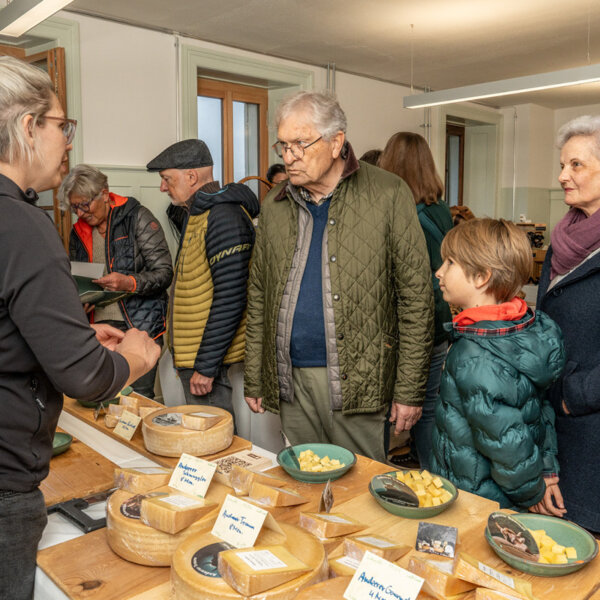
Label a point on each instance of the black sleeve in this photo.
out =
(229, 239)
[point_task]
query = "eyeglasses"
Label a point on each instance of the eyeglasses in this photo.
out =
(68, 127)
(296, 148)
(84, 206)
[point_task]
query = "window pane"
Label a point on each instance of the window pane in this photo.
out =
(452, 170)
(210, 130)
(245, 142)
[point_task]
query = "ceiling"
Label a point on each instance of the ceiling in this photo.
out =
(430, 43)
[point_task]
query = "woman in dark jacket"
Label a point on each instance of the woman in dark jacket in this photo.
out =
(408, 155)
(47, 347)
(123, 235)
(569, 291)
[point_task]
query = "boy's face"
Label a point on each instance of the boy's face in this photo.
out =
(456, 286)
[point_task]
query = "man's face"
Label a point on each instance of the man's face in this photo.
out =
(177, 186)
(318, 158)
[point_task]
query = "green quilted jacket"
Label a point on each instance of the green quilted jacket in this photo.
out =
(377, 300)
(494, 429)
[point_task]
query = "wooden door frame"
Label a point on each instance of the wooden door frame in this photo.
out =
(459, 131)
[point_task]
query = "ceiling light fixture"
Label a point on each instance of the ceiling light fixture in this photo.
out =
(506, 87)
(19, 16)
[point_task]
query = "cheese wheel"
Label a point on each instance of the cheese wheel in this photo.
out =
(485, 594)
(332, 589)
(194, 572)
(137, 542)
(174, 511)
(271, 496)
(165, 435)
(356, 546)
(144, 411)
(141, 479)
(438, 575)
(327, 525)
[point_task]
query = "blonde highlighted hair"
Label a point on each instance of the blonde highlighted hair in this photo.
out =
(496, 246)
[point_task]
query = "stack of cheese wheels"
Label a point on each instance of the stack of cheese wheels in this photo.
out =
(194, 572)
(137, 542)
(165, 435)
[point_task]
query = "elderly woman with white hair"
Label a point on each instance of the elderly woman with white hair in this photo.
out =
(569, 292)
(47, 347)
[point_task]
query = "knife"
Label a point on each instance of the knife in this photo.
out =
(290, 450)
(73, 510)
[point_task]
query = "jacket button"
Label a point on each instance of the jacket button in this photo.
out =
(336, 296)
(333, 258)
(332, 221)
(344, 376)
(340, 336)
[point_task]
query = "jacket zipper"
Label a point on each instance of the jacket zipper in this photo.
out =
(34, 386)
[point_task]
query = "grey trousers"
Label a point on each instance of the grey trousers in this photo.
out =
(309, 418)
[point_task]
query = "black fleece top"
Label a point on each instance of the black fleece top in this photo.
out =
(47, 347)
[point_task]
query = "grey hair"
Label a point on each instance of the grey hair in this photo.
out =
(83, 180)
(328, 116)
(585, 125)
(25, 90)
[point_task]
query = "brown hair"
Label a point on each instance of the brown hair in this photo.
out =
(408, 155)
(495, 245)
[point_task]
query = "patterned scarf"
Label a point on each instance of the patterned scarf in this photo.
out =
(574, 237)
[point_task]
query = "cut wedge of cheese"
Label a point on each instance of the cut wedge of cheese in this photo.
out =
(439, 580)
(111, 421)
(470, 569)
(344, 566)
(141, 479)
(117, 409)
(332, 589)
(132, 404)
(165, 435)
(486, 594)
(270, 496)
(251, 571)
(174, 511)
(194, 573)
(241, 479)
(199, 420)
(357, 545)
(144, 411)
(329, 525)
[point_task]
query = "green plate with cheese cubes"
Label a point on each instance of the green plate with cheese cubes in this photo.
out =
(557, 539)
(335, 462)
(434, 493)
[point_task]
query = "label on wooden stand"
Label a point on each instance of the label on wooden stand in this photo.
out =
(436, 539)
(378, 579)
(240, 522)
(192, 475)
(128, 423)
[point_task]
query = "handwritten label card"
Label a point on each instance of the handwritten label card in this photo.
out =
(128, 423)
(239, 522)
(192, 475)
(379, 579)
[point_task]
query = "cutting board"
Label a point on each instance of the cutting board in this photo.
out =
(76, 473)
(73, 407)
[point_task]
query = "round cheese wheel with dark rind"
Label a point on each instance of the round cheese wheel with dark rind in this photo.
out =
(165, 435)
(194, 571)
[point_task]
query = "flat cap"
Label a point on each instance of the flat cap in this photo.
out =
(188, 154)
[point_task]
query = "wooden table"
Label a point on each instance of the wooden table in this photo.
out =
(136, 443)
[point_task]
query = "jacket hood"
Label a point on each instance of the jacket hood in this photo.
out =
(233, 193)
(532, 345)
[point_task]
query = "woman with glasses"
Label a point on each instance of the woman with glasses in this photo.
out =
(47, 347)
(123, 235)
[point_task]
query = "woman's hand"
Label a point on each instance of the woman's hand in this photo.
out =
(565, 409)
(116, 282)
(552, 503)
(88, 308)
(140, 351)
(108, 336)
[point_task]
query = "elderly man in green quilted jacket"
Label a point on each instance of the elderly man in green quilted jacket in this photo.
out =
(340, 308)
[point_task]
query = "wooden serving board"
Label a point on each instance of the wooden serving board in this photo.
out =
(73, 407)
(76, 473)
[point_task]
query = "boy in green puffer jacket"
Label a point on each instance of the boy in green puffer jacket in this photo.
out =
(494, 429)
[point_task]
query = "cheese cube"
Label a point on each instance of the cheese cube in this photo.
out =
(141, 479)
(270, 496)
(570, 552)
(356, 546)
(437, 482)
(343, 566)
(558, 549)
(439, 579)
(329, 525)
(173, 512)
(200, 421)
(254, 570)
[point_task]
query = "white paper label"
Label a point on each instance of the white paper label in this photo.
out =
(334, 519)
(239, 522)
(192, 475)
(348, 562)
(378, 542)
(181, 501)
(505, 579)
(261, 560)
(378, 579)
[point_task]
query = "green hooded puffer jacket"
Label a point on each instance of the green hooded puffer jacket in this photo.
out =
(494, 430)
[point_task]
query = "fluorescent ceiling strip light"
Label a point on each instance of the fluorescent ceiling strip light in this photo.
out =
(506, 87)
(19, 16)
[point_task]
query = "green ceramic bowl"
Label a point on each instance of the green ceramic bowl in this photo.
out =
(124, 392)
(562, 532)
(346, 457)
(412, 512)
(61, 443)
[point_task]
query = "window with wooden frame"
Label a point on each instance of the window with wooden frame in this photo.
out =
(232, 120)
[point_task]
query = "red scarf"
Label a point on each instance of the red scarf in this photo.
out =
(513, 310)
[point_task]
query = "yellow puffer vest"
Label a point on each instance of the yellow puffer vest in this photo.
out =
(192, 299)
